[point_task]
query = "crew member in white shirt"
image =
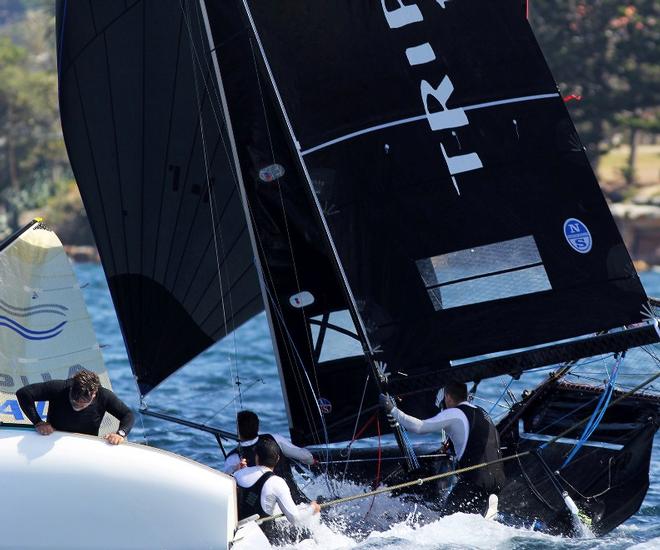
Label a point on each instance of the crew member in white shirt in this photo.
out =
(262, 492)
(474, 439)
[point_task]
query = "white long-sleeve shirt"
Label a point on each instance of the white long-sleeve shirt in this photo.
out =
(275, 494)
(453, 421)
(288, 449)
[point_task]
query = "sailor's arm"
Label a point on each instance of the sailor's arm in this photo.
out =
(28, 395)
(117, 408)
(291, 451)
(434, 424)
(296, 514)
(232, 463)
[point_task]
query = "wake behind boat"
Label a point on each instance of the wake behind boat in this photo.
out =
(400, 188)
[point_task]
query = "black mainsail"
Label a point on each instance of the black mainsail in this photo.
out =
(464, 210)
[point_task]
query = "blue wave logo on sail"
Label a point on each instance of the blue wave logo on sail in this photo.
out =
(28, 333)
(56, 309)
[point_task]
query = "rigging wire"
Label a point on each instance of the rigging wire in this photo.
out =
(288, 235)
(218, 240)
(357, 419)
(500, 397)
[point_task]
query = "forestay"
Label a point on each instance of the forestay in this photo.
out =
(45, 330)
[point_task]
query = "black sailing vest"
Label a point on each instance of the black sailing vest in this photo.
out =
(282, 469)
(249, 498)
(483, 445)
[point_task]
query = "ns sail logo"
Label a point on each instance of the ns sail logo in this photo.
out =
(577, 235)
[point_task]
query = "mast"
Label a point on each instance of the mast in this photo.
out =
(379, 378)
(246, 210)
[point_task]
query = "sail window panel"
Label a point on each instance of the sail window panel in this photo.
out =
(335, 344)
(490, 287)
(485, 273)
(481, 260)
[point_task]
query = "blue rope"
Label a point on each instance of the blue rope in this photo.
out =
(490, 412)
(597, 415)
(409, 448)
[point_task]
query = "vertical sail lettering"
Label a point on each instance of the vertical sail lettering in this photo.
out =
(461, 163)
(401, 16)
(442, 119)
(420, 54)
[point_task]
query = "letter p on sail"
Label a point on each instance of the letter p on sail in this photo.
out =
(401, 16)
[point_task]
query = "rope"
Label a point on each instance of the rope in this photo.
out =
(500, 397)
(597, 415)
(377, 480)
(422, 480)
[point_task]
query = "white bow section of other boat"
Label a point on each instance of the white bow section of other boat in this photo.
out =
(74, 491)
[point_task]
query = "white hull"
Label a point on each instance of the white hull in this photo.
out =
(67, 491)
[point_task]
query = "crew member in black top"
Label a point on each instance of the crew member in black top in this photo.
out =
(474, 439)
(247, 423)
(75, 405)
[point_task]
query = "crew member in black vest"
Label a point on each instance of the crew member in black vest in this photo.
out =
(248, 434)
(474, 439)
(262, 492)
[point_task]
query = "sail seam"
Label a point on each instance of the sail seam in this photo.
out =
(424, 117)
(484, 275)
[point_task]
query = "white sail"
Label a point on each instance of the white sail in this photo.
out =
(45, 328)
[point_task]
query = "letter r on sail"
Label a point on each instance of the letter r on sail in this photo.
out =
(447, 118)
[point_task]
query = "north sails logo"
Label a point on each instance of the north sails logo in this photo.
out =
(577, 235)
(445, 118)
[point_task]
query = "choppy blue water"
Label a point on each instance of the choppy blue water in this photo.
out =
(205, 391)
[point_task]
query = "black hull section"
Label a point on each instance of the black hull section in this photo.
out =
(607, 479)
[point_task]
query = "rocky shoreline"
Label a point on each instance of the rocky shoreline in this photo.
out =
(639, 225)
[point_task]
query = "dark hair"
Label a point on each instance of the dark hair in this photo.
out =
(457, 390)
(267, 451)
(248, 425)
(85, 384)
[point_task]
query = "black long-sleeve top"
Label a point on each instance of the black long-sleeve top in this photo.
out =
(61, 414)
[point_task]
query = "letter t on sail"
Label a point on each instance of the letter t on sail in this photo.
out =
(445, 119)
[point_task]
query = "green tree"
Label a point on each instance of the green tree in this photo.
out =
(606, 51)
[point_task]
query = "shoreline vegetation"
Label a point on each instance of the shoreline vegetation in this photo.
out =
(603, 54)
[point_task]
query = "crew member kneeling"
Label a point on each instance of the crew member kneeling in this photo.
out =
(475, 440)
(262, 492)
